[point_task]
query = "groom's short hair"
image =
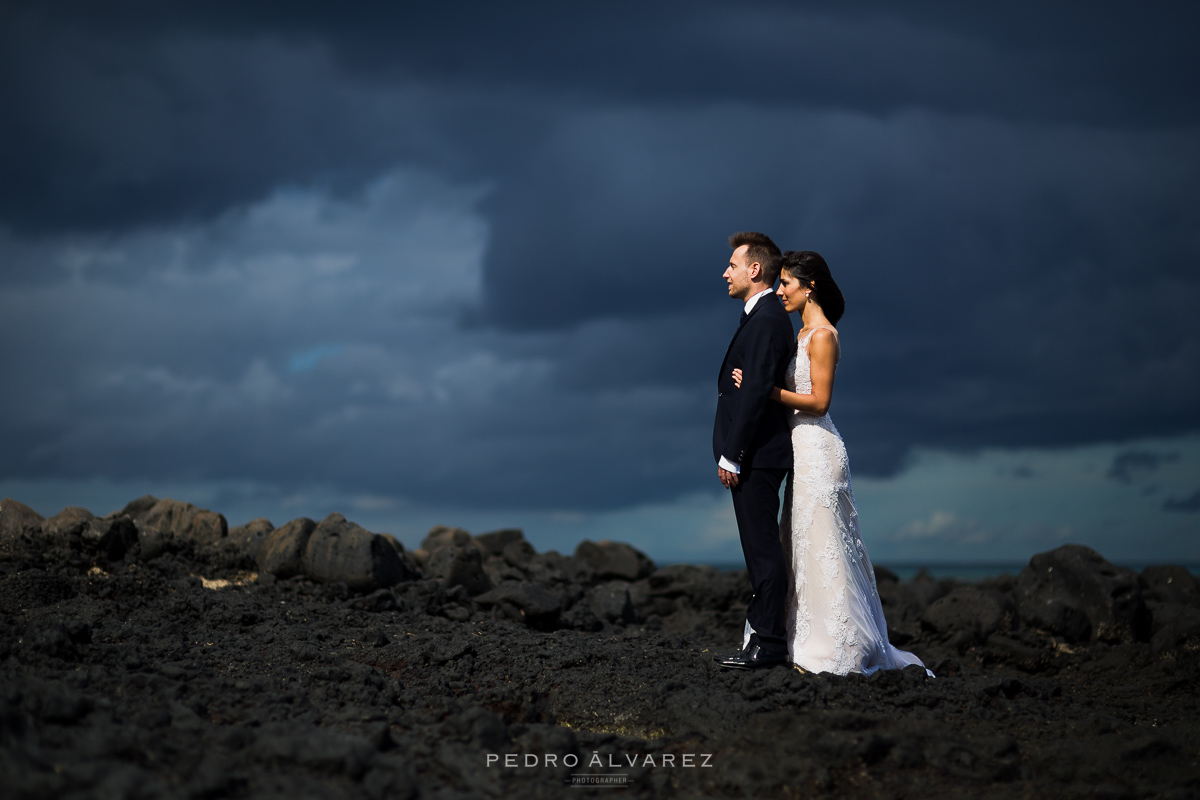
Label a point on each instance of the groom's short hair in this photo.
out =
(762, 250)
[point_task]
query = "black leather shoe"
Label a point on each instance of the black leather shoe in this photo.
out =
(738, 654)
(753, 657)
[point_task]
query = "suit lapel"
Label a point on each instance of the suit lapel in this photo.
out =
(757, 307)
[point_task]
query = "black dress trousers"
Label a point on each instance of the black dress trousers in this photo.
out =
(756, 506)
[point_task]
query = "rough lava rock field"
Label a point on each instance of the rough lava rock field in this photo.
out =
(155, 652)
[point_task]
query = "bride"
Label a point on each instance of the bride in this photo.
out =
(835, 621)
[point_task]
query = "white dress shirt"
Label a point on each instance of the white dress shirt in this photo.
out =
(724, 463)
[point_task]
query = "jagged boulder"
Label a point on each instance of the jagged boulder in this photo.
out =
(136, 509)
(519, 554)
(151, 542)
(553, 567)
(1073, 592)
(406, 556)
(1175, 626)
(493, 543)
(698, 587)
(75, 532)
(977, 612)
(1173, 599)
(68, 524)
(249, 538)
(282, 552)
(612, 602)
(885, 575)
(672, 585)
(440, 536)
(459, 565)
(109, 537)
(341, 551)
(533, 603)
(498, 571)
(905, 602)
(60, 535)
(506, 554)
(614, 560)
(172, 519)
(909, 599)
(1170, 584)
(19, 526)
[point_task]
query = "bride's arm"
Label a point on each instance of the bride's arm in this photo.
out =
(822, 356)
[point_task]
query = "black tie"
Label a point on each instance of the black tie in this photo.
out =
(742, 321)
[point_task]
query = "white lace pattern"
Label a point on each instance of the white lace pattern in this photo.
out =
(830, 576)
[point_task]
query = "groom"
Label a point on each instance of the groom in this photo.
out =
(752, 442)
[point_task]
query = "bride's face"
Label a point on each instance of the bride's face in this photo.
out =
(791, 292)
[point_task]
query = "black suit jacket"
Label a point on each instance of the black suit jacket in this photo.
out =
(751, 429)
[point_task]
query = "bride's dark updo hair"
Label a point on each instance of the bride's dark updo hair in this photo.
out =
(811, 270)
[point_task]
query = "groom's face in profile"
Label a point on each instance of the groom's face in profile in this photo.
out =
(740, 272)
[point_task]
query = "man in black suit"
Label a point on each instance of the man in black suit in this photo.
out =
(752, 441)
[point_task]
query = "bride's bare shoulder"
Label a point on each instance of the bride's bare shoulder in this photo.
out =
(823, 335)
(825, 339)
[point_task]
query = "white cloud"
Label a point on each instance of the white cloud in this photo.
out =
(944, 526)
(983, 506)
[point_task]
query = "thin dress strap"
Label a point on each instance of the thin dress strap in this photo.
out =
(837, 339)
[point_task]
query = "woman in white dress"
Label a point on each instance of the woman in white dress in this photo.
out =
(835, 621)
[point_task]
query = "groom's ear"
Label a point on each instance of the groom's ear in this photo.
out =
(755, 271)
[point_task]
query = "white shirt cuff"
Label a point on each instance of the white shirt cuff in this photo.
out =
(727, 465)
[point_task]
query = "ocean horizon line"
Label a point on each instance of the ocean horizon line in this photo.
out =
(968, 571)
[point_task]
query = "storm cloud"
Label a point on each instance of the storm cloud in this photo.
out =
(471, 254)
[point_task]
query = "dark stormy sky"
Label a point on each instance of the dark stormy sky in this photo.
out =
(464, 262)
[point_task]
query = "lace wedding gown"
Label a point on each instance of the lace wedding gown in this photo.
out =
(835, 621)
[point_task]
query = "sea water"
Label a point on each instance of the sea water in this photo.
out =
(967, 572)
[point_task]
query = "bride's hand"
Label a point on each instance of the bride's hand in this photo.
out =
(737, 378)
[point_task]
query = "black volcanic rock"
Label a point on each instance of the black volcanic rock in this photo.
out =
(1170, 584)
(338, 551)
(136, 509)
(498, 571)
(440, 536)
(182, 521)
(529, 602)
(62, 536)
(1075, 593)
(67, 524)
(904, 603)
(979, 612)
(282, 552)
(406, 557)
(249, 538)
(553, 567)
(110, 537)
(614, 560)
(1173, 601)
(519, 554)
(76, 531)
(494, 542)
(689, 586)
(884, 575)
(182, 676)
(611, 602)
(459, 565)
(19, 526)
(1175, 626)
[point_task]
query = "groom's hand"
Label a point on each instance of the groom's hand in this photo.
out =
(728, 479)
